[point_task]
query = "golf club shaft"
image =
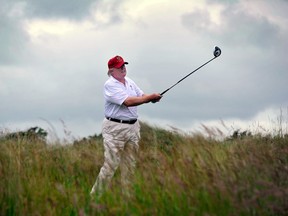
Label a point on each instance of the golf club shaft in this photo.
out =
(187, 76)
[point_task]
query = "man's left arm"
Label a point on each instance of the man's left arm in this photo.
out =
(145, 98)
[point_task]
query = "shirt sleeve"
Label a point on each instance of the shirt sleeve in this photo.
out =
(114, 94)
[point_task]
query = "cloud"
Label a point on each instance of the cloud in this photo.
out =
(233, 26)
(251, 41)
(101, 12)
(242, 28)
(53, 9)
(13, 37)
(59, 59)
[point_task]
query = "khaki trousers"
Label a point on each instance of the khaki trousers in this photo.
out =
(120, 149)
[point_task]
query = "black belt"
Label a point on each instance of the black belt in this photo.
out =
(132, 121)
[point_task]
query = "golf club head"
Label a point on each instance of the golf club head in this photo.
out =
(217, 51)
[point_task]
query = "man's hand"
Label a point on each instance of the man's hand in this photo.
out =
(157, 98)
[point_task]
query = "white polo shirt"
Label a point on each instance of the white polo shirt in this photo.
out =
(115, 93)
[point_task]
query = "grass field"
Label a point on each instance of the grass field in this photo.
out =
(177, 174)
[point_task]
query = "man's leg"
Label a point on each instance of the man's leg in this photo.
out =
(113, 148)
(111, 163)
(129, 156)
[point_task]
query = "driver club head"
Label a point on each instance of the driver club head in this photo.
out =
(217, 51)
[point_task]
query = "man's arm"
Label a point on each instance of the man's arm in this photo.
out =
(145, 98)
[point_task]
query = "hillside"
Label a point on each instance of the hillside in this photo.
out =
(177, 174)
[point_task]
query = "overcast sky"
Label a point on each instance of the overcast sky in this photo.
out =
(54, 54)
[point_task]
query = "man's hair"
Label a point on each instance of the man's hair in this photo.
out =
(109, 72)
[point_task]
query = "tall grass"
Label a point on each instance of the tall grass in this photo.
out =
(177, 174)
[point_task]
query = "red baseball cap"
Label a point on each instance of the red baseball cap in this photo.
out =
(116, 62)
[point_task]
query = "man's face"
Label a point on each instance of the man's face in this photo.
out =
(119, 73)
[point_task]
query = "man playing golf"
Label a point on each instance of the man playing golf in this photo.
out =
(120, 129)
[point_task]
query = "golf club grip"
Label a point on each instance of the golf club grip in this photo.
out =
(164, 91)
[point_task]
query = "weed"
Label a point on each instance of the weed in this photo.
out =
(177, 174)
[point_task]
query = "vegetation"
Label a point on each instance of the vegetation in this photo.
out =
(177, 174)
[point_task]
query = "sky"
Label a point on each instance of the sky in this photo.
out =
(54, 54)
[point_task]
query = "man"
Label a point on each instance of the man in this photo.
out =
(120, 129)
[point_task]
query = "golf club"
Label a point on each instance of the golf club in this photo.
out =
(216, 53)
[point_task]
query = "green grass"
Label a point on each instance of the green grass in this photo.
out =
(176, 175)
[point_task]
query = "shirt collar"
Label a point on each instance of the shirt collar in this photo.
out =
(117, 81)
